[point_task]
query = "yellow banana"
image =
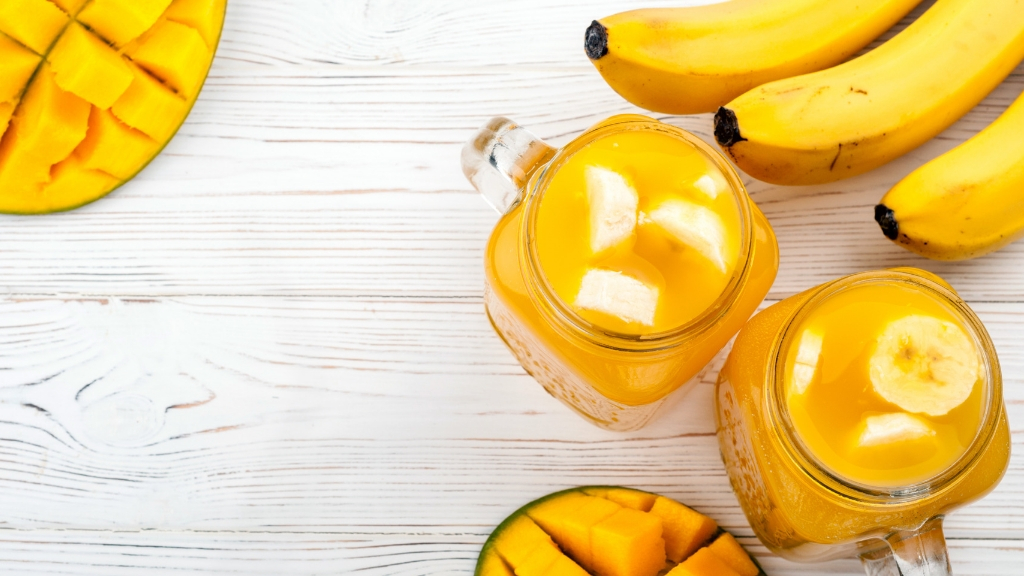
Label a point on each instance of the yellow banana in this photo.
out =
(837, 123)
(690, 60)
(967, 202)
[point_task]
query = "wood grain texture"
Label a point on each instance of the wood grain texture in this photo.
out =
(268, 353)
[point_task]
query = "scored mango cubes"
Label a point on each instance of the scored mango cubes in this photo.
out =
(84, 65)
(79, 117)
(611, 531)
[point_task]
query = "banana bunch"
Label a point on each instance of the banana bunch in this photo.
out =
(849, 119)
(967, 202)
(691, 60)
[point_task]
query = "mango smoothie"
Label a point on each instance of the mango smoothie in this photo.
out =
(631, 259)
(853, 416)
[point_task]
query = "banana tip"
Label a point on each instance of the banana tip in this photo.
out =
(886, 218)
(596, 40)
(727, 128)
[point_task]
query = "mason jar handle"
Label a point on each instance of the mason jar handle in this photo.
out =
(921, 552)
(499, 160)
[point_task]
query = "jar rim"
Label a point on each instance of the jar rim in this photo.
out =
(812, 466)
(566, 319)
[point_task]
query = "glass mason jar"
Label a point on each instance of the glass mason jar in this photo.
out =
(614, 380)
(802, 510)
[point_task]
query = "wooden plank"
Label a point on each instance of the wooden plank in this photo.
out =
(283, 184)
(338, 415)
(430, 550)
(414, 33)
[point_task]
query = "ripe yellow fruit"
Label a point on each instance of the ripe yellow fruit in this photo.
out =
(844, 121)
(965, 203)
(90, 92)
(695, 59)
(611, 531)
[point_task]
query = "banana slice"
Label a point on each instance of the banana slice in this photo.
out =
(619, 295)
(924, 365)
(695, 226)
(613, 206)
(808, 356)
(892, 428)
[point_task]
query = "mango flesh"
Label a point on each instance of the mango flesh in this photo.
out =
(78, 118)
(113, 147)
(685, 530)
(17, 64)
(33, 23)
(729, 551)
(89, 68)
(150, 107)
(174, 53)
(121, 21)
(704, 562)
(610, 531)
(202, 15)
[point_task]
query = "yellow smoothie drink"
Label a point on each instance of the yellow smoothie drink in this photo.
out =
(631, 259)
(853, 416)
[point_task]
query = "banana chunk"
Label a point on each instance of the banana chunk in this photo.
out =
(695, 226)
(892, 428)
(808, 356)
(924, 365)
(711, 186)
(619, 295)
(613, 207)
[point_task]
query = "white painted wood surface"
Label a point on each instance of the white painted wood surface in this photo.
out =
(268, 353)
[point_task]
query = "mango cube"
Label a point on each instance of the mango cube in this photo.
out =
(34, 23)
(630, 544)
(174, 53)
(113, 147)
(203, 15)
(729, 551)
(72, 184)
(520, 539)
(121, 21)
(685, 530)
(538, 562)
(703, 563)
(17, 64)
(48, 126)
(634, 499)
(569, 520)
(149, 106)
(85, 66)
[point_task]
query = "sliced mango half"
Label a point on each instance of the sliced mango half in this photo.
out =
(92, 90)
(611, 531)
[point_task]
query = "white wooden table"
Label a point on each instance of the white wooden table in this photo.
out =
(268, 354)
